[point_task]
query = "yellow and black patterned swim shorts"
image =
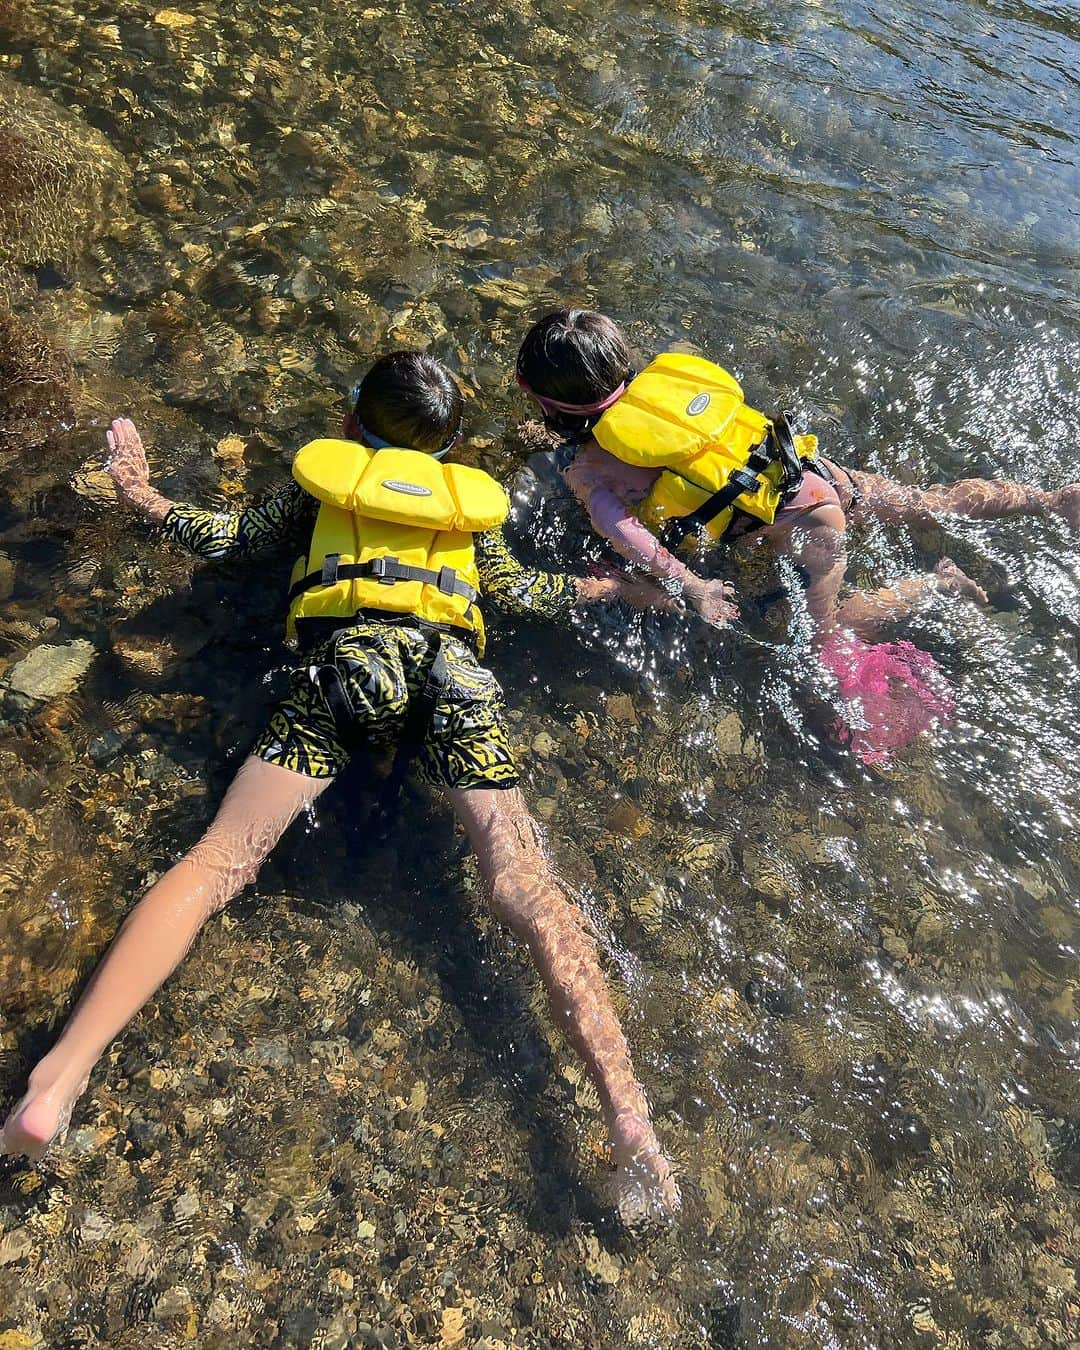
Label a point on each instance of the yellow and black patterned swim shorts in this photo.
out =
(465, 744)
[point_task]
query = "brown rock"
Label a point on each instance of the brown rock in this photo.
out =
(620, 708)
(61, 182)
(7, 577)
(626, 819)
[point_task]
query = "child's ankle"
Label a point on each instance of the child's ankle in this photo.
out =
(51, 1074)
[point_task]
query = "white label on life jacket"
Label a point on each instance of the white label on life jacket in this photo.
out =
(413, 489)
(698, 405)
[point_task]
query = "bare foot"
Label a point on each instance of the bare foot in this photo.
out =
(1067, 504)
(645, 1191)
(38, 1120)
(951, 578)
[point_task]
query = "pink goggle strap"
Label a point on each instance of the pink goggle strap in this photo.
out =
(576, 409)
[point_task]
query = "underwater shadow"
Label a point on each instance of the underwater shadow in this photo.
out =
(444, 935)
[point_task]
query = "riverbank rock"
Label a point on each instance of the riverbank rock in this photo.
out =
(61, 181)
(46, 673)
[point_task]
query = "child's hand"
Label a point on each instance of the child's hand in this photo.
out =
(127, 467)
(714, 601)
(127, 464)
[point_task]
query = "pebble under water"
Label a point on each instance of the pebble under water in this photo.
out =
(348, 1120)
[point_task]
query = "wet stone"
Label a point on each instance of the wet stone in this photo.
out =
(175, 1302)
(60, 180)
(305, 285)
(104, 748)
(928, 931)
(48, 672)
(544, 744)
(628, 820)
(620, 708)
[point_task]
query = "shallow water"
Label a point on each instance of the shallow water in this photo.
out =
(851, 997)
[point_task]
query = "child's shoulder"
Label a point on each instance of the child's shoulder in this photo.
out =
(594, 467)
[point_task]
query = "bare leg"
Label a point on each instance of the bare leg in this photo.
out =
(974, 498)
(817, 543)
(866, 612)
(524, 895)
(261, 803)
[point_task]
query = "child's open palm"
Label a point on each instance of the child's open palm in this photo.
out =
(127, 467)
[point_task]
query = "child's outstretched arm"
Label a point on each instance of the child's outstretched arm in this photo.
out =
(516, 589)
(288, 514)
(608, 489)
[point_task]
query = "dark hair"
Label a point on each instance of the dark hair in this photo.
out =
(410, 400)
(575, 356)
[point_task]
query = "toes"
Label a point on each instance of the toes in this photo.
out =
(30, 1129)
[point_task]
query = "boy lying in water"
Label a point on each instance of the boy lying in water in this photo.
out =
(397, 548)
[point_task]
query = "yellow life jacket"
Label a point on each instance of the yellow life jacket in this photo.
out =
(394, 533)
(688, 417)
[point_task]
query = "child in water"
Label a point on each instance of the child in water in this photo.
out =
(366, 672)
(575, 364)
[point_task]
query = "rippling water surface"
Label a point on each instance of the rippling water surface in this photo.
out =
(348, 1121)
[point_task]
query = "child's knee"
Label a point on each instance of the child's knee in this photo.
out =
(223, 870)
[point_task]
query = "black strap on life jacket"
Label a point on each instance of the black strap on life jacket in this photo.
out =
(778, 445)
(387, 571)
(418, 718)
(332, 687)
(418, 714)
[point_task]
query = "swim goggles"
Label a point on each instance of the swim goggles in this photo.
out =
(550, 405)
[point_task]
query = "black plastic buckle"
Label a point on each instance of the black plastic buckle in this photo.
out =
(761, 456)
(447, 580)
(330, 566)
(746, 479)
(381, 570)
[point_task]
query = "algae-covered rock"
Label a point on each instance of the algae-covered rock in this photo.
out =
(35, 380)
(60, 180)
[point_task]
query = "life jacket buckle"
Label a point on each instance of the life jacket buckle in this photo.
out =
(381, 570)
(746, 479)
(447, 580)
(330, 569)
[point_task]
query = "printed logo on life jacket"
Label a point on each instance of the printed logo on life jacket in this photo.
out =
(698, 405)
(411, 489)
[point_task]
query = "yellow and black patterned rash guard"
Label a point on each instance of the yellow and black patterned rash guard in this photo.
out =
(466, 744)
(289, 517)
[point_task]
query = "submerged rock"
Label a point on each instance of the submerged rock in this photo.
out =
(154, 660)
(35, 384)
(60, 180)
(46, 673)
(7, 577)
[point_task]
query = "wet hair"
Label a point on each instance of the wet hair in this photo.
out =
(575, 356)
(410, 400)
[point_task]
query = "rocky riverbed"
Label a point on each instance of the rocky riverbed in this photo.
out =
(348, 1120)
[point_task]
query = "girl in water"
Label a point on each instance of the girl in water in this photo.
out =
(576, 365)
